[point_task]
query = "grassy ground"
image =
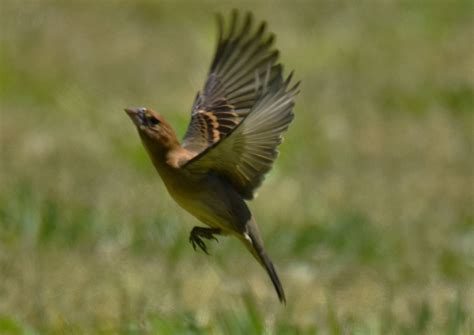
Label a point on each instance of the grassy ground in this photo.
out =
(368, 213)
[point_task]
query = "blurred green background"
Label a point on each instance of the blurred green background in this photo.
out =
(368, 213)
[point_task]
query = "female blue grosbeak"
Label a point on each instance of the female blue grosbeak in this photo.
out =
(236, 124)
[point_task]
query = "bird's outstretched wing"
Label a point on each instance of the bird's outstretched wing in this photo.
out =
(248, 151)
(243, 53)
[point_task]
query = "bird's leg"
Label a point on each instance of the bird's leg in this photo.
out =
(198, 232)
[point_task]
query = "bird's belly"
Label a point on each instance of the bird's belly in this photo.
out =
(204, 204)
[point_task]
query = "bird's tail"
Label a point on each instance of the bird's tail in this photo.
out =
(254, 244)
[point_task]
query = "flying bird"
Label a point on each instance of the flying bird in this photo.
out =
(237, 121)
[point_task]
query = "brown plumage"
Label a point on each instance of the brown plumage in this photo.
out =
(232, 138)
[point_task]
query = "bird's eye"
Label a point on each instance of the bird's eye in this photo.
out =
(153, 121)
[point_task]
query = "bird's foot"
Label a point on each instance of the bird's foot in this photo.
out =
(207, 233)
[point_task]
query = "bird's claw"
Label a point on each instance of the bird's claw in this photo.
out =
(198, 232)
(197, 241)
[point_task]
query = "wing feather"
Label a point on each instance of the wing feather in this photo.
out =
(248, 152)
(230, 90)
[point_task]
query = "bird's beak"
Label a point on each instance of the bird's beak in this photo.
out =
(134, 115)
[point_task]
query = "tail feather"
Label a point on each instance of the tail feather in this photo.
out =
(254, 244)
(268, 265)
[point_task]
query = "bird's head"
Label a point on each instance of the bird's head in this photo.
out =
(152, 127)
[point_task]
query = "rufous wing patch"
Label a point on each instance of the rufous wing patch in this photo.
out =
(215, 126)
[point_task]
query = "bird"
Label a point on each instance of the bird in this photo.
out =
(236, 125)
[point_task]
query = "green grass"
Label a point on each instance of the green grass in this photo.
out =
(368, 213)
